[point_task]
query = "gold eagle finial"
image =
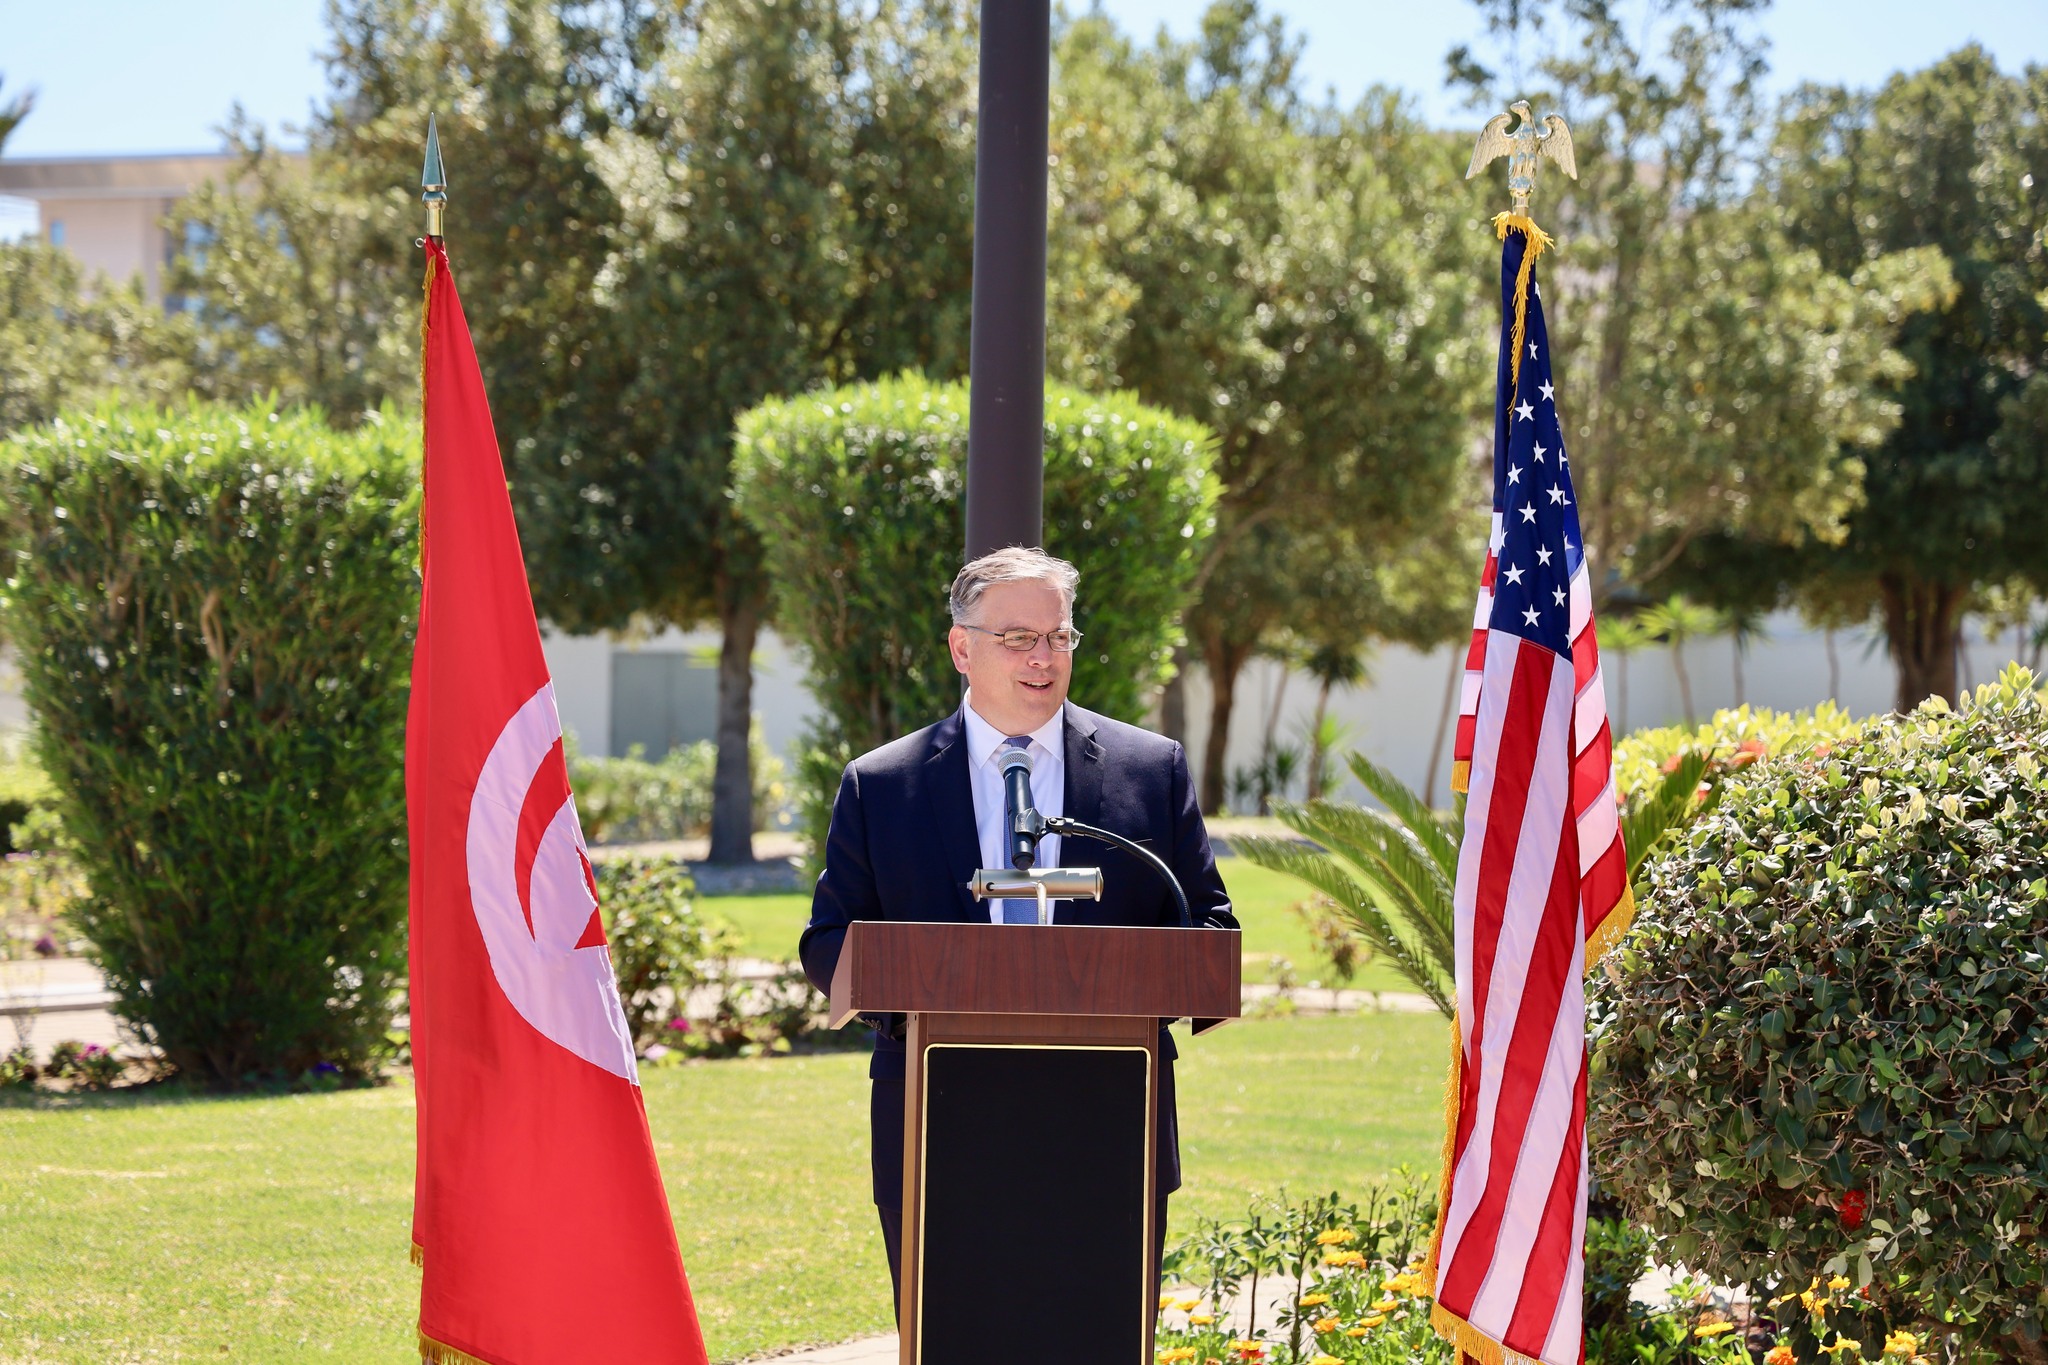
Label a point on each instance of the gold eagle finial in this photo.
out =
(1521, 148)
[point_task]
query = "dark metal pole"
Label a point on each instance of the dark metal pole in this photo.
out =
(1006, 361)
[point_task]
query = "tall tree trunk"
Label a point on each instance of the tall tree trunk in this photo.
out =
(1684, 679)
(1317, 756)
(1920, 631)
(1834, 666)
(1173, 699)
(1452, 688)
(732, 781)
(1223, 661)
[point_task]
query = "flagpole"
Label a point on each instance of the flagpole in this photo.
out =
(433, 183)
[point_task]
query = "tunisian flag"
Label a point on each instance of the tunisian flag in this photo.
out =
(539, 1220)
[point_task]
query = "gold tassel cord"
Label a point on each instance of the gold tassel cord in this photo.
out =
(1539, 242)
(419, 1255)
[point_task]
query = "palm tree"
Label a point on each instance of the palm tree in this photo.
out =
(1674, 622)
(13, 111)
(1393, 872)
(1332, 666)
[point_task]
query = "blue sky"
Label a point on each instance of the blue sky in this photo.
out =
(160, 75)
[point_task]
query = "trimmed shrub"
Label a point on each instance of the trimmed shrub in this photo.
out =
(25, 791)
(635, 798)
(1735, 738)
(858, 496)
(1824, 1048)
(214, 611)
(659, 942)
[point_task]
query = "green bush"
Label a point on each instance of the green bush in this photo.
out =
(1735, 738)
(857, 495)
(25, 791)
(1824, 1048)
(214, 611)
(634, 799)
(660, 944)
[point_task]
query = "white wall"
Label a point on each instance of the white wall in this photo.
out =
(1395, 716)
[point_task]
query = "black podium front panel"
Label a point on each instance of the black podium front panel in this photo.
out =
(1036, 1206)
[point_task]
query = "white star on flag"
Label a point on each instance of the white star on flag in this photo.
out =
(1530, 615)
(1513, 575)
(1525, 412)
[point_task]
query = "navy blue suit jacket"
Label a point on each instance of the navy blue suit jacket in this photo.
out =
(903, 846)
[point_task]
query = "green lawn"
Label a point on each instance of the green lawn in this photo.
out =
(163, 1229)
(1264, 901)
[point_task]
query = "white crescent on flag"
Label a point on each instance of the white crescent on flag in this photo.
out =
(535, 897)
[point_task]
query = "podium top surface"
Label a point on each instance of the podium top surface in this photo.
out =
(912, 967)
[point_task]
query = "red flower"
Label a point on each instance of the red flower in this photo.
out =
(1851, 1209)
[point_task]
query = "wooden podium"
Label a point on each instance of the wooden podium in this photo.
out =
(1030, 1128)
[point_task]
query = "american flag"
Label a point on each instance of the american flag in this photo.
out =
(1541, 874)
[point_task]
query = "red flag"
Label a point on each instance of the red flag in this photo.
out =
(539, 1218)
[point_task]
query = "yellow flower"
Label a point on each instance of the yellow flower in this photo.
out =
(1325, 1360)
(1386, 1305)
(1327, 1324)
(1178, 1353)
(1375, 1320)
(1713, 1329)
(1901, 1344)
(1196, 1319)
(1188, 1305)
(1356, 1331)
(1335, 1237)
(1839, 1282)
(1842, 1343)
(1780, 1354)
(1314, 1300)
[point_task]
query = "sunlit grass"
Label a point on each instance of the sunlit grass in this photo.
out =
(158, 1227)
(1263, 899)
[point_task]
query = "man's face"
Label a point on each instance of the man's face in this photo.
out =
(1015, 690)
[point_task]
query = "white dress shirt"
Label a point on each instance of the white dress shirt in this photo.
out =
(1048, 749)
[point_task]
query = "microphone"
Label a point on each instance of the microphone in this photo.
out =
(1021, 823)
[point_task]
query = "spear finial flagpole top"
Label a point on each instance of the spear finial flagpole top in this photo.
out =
(433, 182)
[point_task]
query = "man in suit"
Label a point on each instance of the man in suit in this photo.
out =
(916, 817)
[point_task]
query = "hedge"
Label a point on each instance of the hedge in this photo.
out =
(1823, 1049)
(857, 495)
(214, 611)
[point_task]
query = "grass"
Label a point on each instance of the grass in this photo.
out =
(159, 1227)
(1264, 901)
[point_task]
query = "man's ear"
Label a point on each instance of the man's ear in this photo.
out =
(956, 645)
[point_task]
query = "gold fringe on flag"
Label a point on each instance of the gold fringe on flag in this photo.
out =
(1608, 931)
(419, 1255)
(1539, 242)
(1461, 777)
(435, 1353)
(1452, 1082)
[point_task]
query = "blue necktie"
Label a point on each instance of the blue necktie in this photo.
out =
(1016, 911)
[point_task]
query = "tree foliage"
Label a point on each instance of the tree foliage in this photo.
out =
(1299, 278)
(1943, 163)
(1720, 379)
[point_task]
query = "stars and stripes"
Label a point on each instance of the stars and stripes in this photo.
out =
(1541, 874)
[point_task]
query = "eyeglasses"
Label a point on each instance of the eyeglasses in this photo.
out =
(1063, 640)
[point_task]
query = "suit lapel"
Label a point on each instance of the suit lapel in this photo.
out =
(1084, 768)
(951, 798)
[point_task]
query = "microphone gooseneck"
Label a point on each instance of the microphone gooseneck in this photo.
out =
(1062, 826)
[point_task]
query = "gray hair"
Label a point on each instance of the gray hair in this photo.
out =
(1014, 564)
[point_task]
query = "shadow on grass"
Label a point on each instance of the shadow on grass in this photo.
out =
(170, 1091)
